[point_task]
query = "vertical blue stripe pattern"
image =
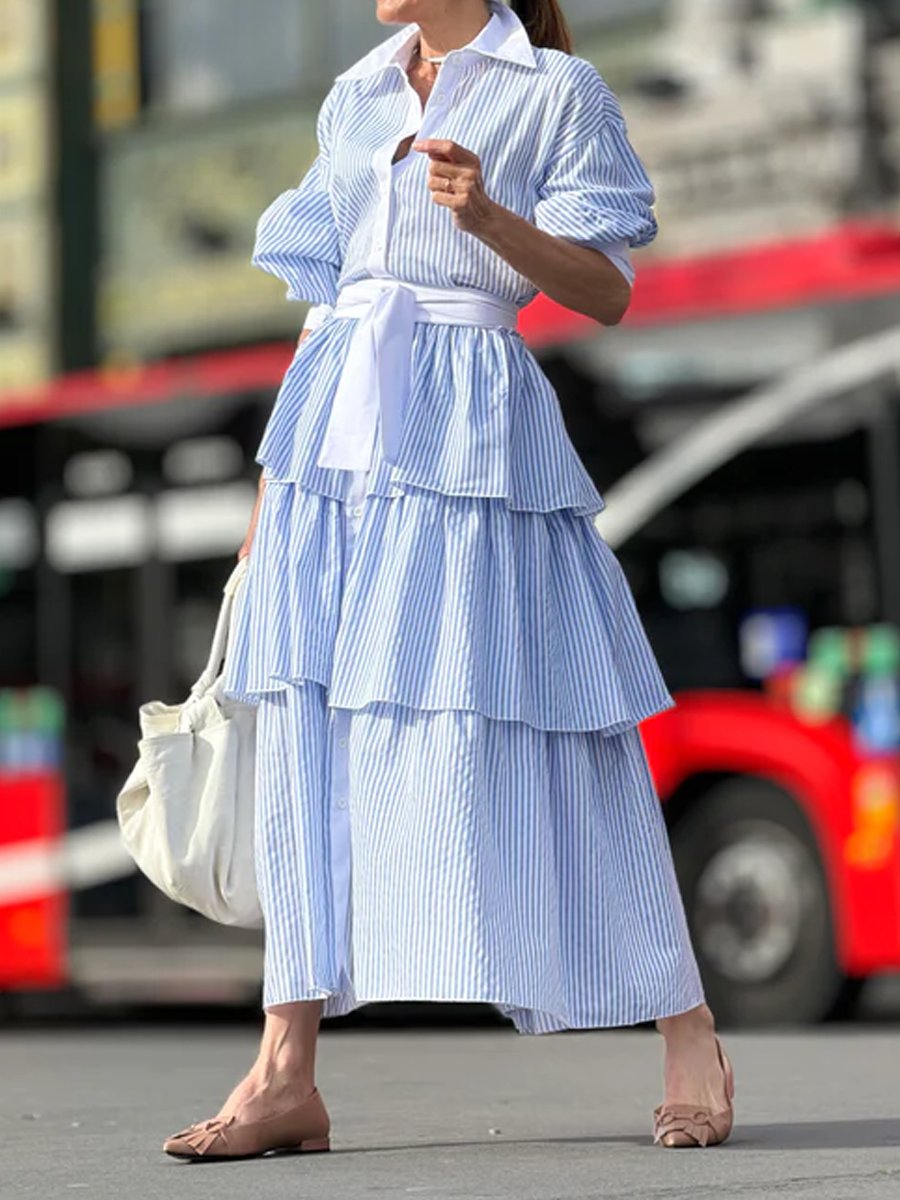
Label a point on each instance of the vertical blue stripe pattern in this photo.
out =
(570, 168)
(447, 603)
(452, 798)
(491, 862)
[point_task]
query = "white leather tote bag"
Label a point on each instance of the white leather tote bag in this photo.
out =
(186, 809)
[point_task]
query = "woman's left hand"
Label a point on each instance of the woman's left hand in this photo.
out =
(456, 182)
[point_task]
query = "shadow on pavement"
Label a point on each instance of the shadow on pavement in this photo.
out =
(812, 1135)
(870, 1133)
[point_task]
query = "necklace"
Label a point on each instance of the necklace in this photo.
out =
(435, 61)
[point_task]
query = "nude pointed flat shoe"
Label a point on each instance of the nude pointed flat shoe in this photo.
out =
(304, 1129)
(679, 1126)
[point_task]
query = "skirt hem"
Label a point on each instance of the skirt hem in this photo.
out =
(443, 607)
(529, 1021)
(607, 728)
(398, 486)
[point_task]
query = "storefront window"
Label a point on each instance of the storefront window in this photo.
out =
(209, 54)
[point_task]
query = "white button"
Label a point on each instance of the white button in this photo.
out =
(342, 801)
(342, 741)
(358, 511)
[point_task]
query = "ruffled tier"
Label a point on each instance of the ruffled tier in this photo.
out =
(491, 863)
(482, 421)
(447, 603)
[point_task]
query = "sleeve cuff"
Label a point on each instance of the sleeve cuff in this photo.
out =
(617, 253)
(316, 315)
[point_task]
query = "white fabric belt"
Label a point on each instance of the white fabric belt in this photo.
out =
(375, 379)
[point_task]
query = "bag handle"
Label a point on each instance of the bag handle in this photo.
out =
(210, 672)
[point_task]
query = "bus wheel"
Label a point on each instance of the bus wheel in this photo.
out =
(758, 907)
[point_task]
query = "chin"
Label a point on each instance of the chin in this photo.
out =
(398, 12)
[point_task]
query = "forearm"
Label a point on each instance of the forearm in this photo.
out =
(254, 516)
(577, 277)
(247, 543)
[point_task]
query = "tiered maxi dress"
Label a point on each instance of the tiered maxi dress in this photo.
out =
(452, 798)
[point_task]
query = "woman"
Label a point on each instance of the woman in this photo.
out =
(452, 798)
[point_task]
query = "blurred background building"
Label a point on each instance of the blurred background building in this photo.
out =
(139, 357)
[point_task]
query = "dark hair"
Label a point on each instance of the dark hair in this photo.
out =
(545, 23)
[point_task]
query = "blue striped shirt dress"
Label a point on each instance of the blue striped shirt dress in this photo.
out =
(452, 798)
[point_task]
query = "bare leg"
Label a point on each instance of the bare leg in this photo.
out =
(284, 1073)
(693, 1074)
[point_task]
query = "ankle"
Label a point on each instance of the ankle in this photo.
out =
(696, 1025)
(287, 1071)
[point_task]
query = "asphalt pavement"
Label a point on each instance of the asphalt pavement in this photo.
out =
(473, 1113)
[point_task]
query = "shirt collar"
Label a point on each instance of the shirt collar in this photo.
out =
(504, 37)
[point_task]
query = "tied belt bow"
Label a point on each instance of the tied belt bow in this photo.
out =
(375, 380)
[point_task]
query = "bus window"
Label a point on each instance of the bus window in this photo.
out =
(786, 523)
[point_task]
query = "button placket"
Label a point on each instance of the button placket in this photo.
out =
(378, 253)
(341, 858)
(420, 122)
(439, 99)
(341, 779)
(340, 850)
(384, 166)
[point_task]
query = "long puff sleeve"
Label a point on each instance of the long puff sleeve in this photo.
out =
(595, 190)
(297, 238)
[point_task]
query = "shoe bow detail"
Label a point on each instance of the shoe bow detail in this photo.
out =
(202, 1135)
(696, 1123)
(302, 1129)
